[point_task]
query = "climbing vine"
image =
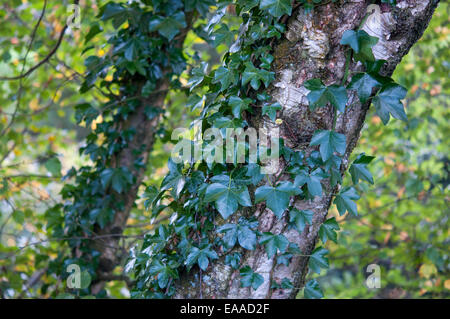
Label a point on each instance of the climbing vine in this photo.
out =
(204, 197)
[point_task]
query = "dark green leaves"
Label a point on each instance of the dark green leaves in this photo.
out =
(312, 290)
(163, 271)
(225, 77)
(169, 26)
(329, 142)
(276, 8)
(277, 198)
(249, 278)
(318, 260)
(201, 257)
(238, 105)
(388, 101)
(273, 243)
(271, 110)
(255, 76)
(243, 232)
(328, 230)
(175, 179)
(361, 43)
(312, 180)
(321, 94)
(118, 178)
(345, 201)
(197, 76)
(53, 165)
(359, 170)
(363, 84)
(227, 198)
(299, 218)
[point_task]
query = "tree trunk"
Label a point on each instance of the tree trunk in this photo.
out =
(310, 49)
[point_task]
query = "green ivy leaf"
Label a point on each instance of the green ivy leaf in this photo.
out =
(361, 43)
(344, 201)
(318, 260)
(299, 218)
(312, 180)
(312, 290)
(225, 76)
(273, 243)
(363, 84)
(271, 110)
(197, 75)
(359, 170)
(227, 198)
(277, 198)
(276, 8)
(328, 230)
(329, 141)
(201, 256)
(321, 94)
(53, 165)
(243, 232)
(388, 101)
(249, 278)
(238, 105)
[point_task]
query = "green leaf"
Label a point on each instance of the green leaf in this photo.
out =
(361, 43)
(227, 198)
(276, 8)
(344, 201)
(197, 76)
(53, 165)
(271, 110)
(318, 260)
(299, 218)
(175, 179)
(388, 101)
(320, 95)
(329, 141)
(273, 243)
(223, 36)
(363, 84)
(242, 232)
(249, 278)
(277, 198)
(225, 76)
(312, 290)
(312, 180)
(328, 230)
(238, 105)
(201, 256)
(93, 31)
(169, 26)
(359, 170)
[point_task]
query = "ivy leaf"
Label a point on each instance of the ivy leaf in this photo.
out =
(318, 259)
(299, 218)
(271, 110)
(93, 31)
(312, 290)
(329, 141)
(363, 84)
(53, 165)
(254, 76)
(361, 43)
(328, 230)
(197, 76)
(233, 260)
(238, 105)
(175, 179)
(249, 278)
(321, 94)
(223, 36)
(227, 198)
(277, 198)
(242, 232)
(359, 170)
(276, 8)
(388, 100)
(273, 243)
(312, 180)
(201, 256)
(344, 201)
(118, 178)
(168, 27)
(225, 76)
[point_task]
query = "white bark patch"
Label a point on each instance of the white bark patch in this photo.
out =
(380, 25)
(315, 41)
(288, 95)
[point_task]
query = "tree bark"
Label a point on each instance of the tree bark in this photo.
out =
(310, 49)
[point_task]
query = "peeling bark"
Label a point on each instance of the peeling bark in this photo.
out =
(311, 49)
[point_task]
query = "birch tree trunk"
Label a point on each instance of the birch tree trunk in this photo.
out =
(310, 49)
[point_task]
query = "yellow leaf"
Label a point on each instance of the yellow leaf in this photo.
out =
(427, 270)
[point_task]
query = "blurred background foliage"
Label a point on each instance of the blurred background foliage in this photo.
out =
(404, 217)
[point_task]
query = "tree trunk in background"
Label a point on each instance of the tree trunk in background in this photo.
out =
(139, 148)
(310, 49)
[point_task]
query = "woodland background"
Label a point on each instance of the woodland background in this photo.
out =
(403, 222)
